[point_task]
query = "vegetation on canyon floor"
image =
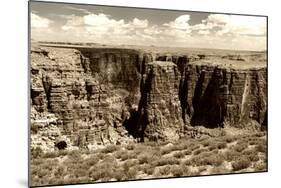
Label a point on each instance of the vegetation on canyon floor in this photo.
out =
(187, 157)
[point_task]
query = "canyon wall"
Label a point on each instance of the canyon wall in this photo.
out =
(215, 96)
(87, 97)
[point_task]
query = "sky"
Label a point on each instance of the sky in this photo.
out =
(133, 26)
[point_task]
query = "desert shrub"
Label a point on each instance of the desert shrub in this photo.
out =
(241, 164)
(178, 154)
(49, 164)
(133, 155)
(260, 166)
(166, 161)
(168, 149)
(253, 157)
(143, 158)
(56, 181)
(36, 152)
(239, 147)
(202, 168)
(206, 143)
(63, 152)
(253, 142)
(243, 140)
(221, 145)
(60, 171)
(184, 170)
(120, 153)
(131, 174)
(100, 173)
(195, 147)
(129, 169)
(128, 164)
(37, 162)
(74, 155)
(214, 160)
(213, 152)
(130, 147)
(251, 154)
(208, 159)
(187, 162)
(177, 170)
(148, 169)
(34, 129)
(150, 143)
(102, 170)
(187, 152)
(163, 171)
(117, 174)
(141, 148)
(53, 154)
(109, 149)
(260, 134)
(92, 160)
(128, 155)
(34, 170)
(248, 152)
(198, 151)
(261, 148)
(109, 159)
(219, 170)
(183, 145)
(212, 147)
(70, 180)
(43, 172)
(231, 155)
(228, 139)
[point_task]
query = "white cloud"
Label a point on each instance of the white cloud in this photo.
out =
(139, 23)
(39, 22)
(180, 23)
(204, 32)
(235, 24)
(73, 22)
(104, 29)
(101, 20)
(153, 30)
(216, 31)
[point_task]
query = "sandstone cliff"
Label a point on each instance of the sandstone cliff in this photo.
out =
(94, 96)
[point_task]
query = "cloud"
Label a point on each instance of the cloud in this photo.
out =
(234, 25)
(139, 23)
(98, 27)
(101, 20)
(180, 23)
(216, 31)
(39, 22)
(72, 22)
(204, 32)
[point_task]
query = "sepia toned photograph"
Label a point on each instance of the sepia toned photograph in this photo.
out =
(125, 93)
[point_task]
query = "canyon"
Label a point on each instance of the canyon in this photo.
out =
(88, 97)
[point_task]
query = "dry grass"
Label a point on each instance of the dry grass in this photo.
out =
(191, 157)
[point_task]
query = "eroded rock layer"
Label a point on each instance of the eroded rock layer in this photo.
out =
(87, 97)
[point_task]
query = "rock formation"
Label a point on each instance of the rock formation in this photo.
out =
(95, 96)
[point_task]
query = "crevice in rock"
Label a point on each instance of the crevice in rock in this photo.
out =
(47, 84)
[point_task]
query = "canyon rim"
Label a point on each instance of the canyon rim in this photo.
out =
(119, 93)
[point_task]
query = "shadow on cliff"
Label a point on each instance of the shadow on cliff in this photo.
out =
(138, 120)
(210, 105)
